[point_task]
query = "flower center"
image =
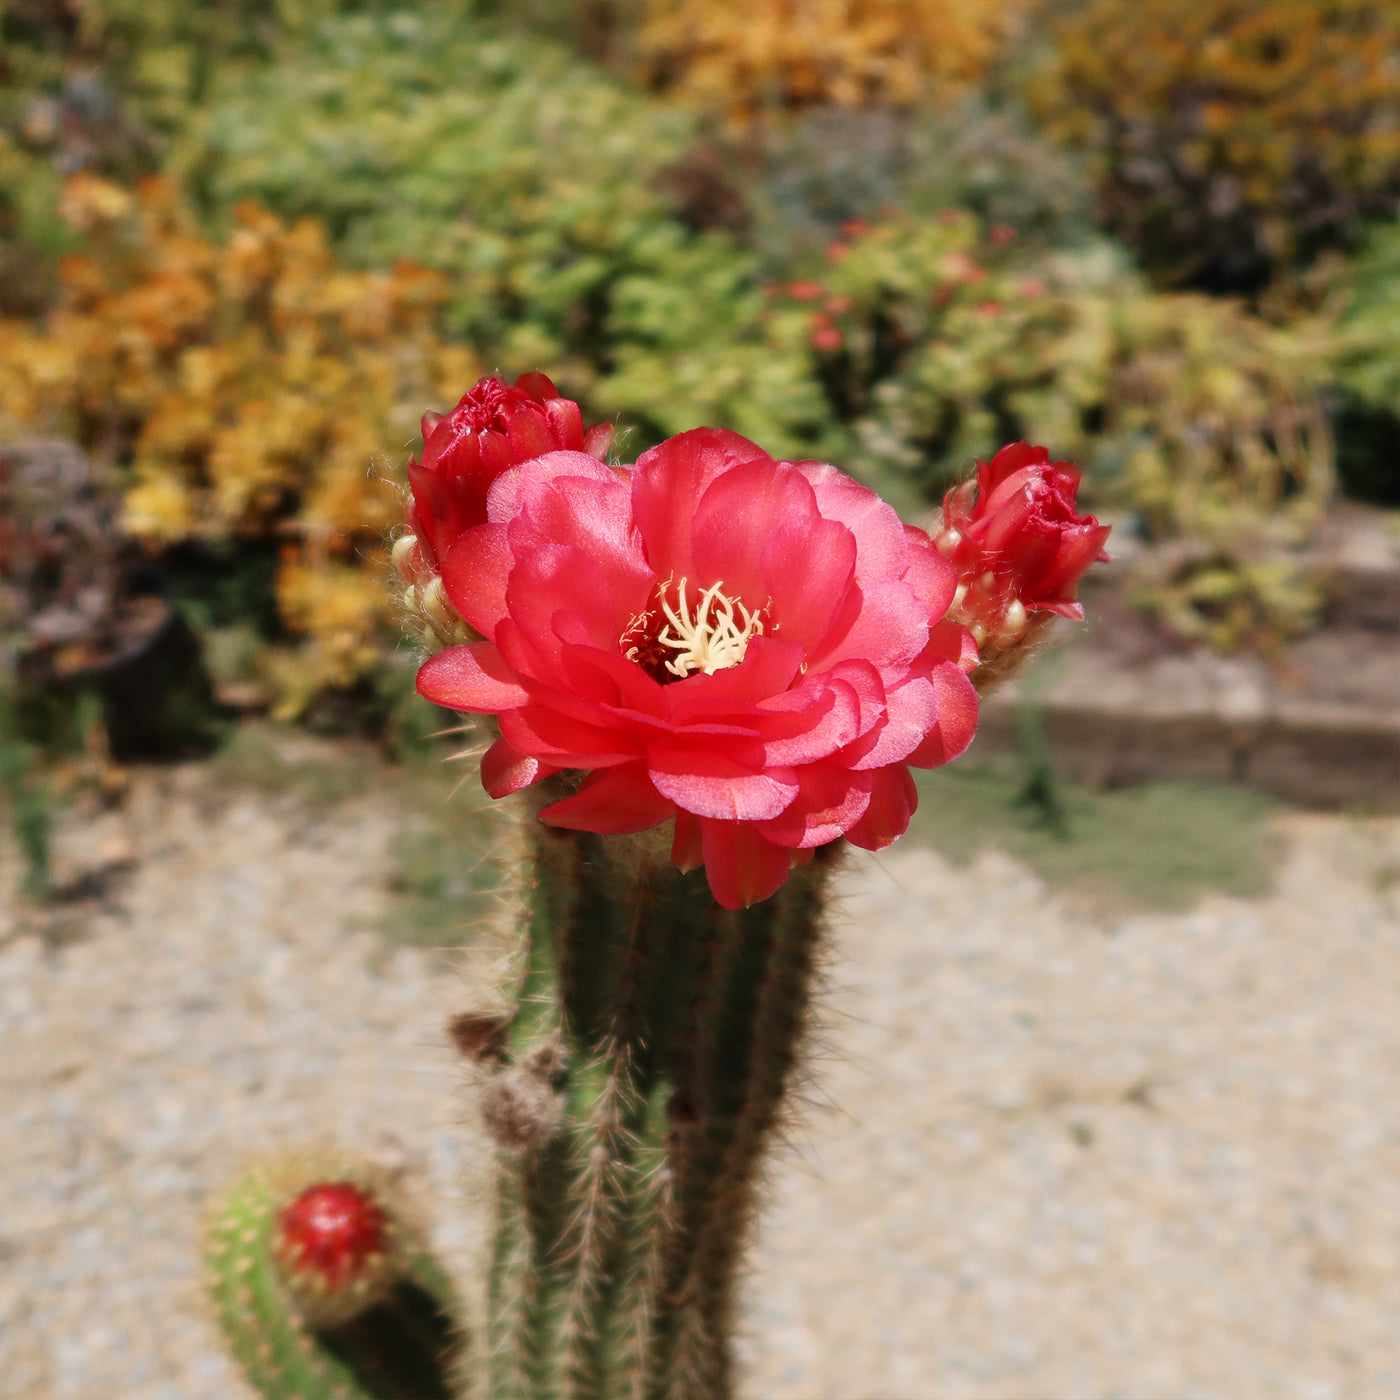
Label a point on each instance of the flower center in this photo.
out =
(710, 637)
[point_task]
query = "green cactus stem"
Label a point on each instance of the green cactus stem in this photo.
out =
(296, 1341)
(644, 1073)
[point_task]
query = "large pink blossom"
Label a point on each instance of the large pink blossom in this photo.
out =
(755, 649)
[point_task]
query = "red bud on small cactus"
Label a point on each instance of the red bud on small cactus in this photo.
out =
(334, 1245)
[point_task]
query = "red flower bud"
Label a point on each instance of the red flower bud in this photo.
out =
(1018, 542)
(494, 426)
(334, 1248)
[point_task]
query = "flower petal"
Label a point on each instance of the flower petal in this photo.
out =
(504, 769)
(741, 866)
(594, 516)
(807, 567)
(890, 629)
(615, 801)
(562, 579)
(893, 798)
(610, 679)
(768, 668)
(911, 711)
(503, 501)
(667, 484)
(738, 514)
(951, 641)
(957, 718)
(714, 784)
(473, 677)
(829, 801)
(475, 573)
(565, 740)
(881, 547)
(687, 846)
(933, 578)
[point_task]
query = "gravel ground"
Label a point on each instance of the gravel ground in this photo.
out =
(1054, 1155)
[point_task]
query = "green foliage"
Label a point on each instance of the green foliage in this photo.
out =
(939, 341)
(28, 798)
(534, 183)
(1370, 353)
(1154, 846)
(984, 156)
(1366, 367)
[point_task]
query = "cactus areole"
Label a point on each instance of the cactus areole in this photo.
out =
(708, 658)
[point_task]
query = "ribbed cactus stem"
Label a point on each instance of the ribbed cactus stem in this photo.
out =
(656, 1036)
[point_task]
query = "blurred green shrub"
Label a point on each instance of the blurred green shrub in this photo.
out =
(1369, 355)
(1367, 369)
(939, 340)
(538, 185)
(1231, 137)
(584, 229)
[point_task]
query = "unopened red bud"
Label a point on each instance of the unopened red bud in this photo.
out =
(1020, 547)
(334, 1247)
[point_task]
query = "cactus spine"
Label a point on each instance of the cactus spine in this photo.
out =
(644, 1072)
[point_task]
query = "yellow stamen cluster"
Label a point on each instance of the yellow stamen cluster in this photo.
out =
(714, 637)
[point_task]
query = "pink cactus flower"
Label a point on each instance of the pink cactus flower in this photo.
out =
(751, 648)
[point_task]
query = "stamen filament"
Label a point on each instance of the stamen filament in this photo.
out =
(717, 637)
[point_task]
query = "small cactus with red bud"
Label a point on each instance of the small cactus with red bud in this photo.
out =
(325, 1288)
(334, 1247)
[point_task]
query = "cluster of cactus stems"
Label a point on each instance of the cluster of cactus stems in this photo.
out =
(641, 1079)
(657, 1014)
(631, 1095)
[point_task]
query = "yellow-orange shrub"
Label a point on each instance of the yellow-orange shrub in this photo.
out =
(249, 387)
(1231, 134)
(745, 59)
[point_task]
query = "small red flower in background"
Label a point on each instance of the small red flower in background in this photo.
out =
(494, 426)
(824, 335)
(1018, 542)
(756, 649)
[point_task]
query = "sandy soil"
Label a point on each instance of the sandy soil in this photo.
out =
(1048, 1156)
